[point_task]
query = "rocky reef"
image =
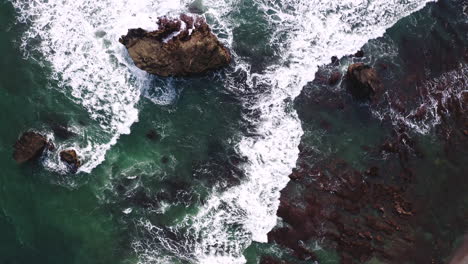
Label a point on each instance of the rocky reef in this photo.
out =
(396, 196)
(181, 46)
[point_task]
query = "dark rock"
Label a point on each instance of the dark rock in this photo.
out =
(334, 60)
(62, 132)
(373, 172)
(153, 135)
(71, 158)
(188, 53)
(334, 78)
(141, 199)
(359, 54)
(363, 80)
(50, 146)
(165, 160)
(29, 146)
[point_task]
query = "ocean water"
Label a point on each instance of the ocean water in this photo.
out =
(174, 170)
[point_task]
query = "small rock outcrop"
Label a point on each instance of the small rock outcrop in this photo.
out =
(30, 146)
(182, 46)
(71, 158)
(363, 81)
(334, 78)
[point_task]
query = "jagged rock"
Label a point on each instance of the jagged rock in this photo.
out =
(71, 158)
(182, 46)
(363, 81)
(334, 60)
(30, 146)
(62, 132)
(359, 54)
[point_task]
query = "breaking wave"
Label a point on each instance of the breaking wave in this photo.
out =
(78, 39)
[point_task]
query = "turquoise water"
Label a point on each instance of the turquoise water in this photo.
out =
(152, 196)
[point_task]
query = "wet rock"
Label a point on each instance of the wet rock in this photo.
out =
(165, 160)
(360, 217)
(363, 81)
(334, 78)
(389, 147)
(373, 172)
(71, 158)
(196, 7)
(359, 54)
(30, 146)
(182, 46)
(334, 60)
(141, 199)
(62, 132)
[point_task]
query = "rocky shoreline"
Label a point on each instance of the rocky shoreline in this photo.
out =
(395, 201)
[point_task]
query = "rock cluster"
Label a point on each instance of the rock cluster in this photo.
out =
(182, 46)
(31, 145)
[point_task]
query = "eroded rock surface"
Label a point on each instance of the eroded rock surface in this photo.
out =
(364, 82)
(30, 146)
(182, 46)
(70, 157)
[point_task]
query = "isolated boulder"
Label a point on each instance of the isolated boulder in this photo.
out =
(363, 81)
(181, 46)
(30, 146)
(71, 159)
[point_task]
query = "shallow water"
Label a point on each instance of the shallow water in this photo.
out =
(175, 170)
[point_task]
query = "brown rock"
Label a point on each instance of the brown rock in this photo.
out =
(188, 53)
(334, 78)
(71, 158)
(363, 80)
(29, 146)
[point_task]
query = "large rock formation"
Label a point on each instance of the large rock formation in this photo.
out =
(30, 146)
(180, 47)
(363, 80)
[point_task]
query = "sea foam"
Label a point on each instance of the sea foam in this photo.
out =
(230, 220)
(78, 39)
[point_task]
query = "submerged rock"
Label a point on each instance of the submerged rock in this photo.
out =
(63, 132)
(71, 158)
(30, 146)
(182, 46)
(363, 81)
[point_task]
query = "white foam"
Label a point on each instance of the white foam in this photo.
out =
(229, 221)
(106, 83)
(450, 87)
(79, 39)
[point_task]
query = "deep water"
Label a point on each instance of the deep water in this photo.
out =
(189, 170)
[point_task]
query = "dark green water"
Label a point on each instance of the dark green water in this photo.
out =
(164, 170)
